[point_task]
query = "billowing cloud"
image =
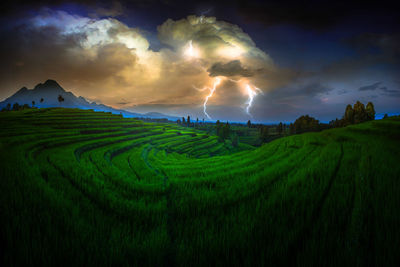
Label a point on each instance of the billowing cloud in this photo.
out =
(215, 40)
(103, 58)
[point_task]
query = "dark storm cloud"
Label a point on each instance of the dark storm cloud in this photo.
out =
(386, 90)
(19, 6)
(315, 14)
(301, 91)
(311, 14)
(388, 44)
(372, 51)
(370, 87)
(232, 68)
(28, 48)
(34, 54)
(389, 92)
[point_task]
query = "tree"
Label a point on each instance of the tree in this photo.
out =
(178, 121)
(264, 133)
(235, 140)
(8, 107)
(370, 110)
(41, 100)
(385, 116)
(219, 130)
(188, 120)
(306, 124)
(16, 107)
(349, 115)
(183, 120)
(60, 98)
(291, 128)
(360, 115)
(33, 103)
(225, 131)
(249, 124)
(280, 128)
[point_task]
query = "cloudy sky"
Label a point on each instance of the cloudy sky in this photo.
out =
(266, 61)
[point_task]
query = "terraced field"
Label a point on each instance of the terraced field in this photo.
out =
(82, 187)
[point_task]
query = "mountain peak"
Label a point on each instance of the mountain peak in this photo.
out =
(21, 91)
(49, 84)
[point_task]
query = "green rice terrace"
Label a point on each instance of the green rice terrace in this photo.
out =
(90, 188)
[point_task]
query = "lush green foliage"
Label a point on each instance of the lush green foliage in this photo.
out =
(80, 187)
(356, 114)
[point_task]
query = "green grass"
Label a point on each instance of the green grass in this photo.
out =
(82, 187)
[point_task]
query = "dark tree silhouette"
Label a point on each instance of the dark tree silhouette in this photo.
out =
(280, 128)
(183, 120)
(226, 131)
(41, 100)
(356, 114)
(235, 140)
(264, 132)
(188, 120)
(306, 124)
(291, 128)
(385, 116)
(8, 107)
(60, 98)
(349, 115)
(33, 103)
(360, 115)
(370, 111)
(249, 124)
(16, 107)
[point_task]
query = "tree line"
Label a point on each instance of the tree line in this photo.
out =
(16, 106)
(354, 115)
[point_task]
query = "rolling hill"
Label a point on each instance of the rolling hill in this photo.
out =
(92, 188)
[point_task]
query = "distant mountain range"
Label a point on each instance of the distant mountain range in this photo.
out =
(49, 92)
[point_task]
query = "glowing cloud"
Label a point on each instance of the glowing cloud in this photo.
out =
(106, 59)
(191, 51)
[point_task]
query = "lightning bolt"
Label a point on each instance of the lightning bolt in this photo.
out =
(217, 81)
(251, 93)
(251, 90)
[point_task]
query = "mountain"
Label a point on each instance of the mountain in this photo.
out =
(49, 92)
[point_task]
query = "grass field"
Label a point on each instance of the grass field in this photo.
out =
(88, 188)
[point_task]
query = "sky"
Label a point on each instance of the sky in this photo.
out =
(264, 61)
